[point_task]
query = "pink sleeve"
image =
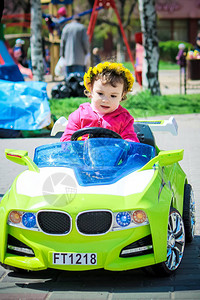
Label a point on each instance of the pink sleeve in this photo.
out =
(128, 132)
(72, 125)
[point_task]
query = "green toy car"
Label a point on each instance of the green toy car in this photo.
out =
(99, 203)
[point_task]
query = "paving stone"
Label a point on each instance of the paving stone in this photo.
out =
(185, 294)
(141, 296)
(25, 296)
(79, 296)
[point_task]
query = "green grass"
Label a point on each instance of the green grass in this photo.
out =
(64, 107)
(140, 105)
(168, 65)
(146, 105)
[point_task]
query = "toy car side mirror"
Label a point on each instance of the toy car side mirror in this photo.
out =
(170, 157)
(164, 158)
(21, 157)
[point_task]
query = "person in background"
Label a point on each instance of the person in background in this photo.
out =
(106, 85)
(62, 13)
(181, 61)
(197, 46)
(59, 20)
(19, 52)
(96, 56)
(181, 56)
(74, 46)
(47, 59)
(29, 58)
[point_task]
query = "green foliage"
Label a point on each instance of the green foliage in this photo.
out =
(100, 33)
(128, 65)
(141, 105)
(169, 49)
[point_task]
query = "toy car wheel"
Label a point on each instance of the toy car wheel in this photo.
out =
(175, 245)
(189, 213)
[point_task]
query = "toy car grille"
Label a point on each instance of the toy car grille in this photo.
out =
(94, 222)
(54, 222)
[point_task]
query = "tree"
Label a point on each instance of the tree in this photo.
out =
(36, 41)
(107, 22)
(151, 48)
(1, 9)
(125, 16)
(148, 27)
(17, 7)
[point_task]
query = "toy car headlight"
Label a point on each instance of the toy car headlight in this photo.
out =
(129, 219)
(139, 217)
(23, 220)
(29, 220)
(123, 218)
(15, 217)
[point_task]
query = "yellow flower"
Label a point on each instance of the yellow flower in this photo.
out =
(86, 81)
(94, 71)
(106, 64)
(90, 71)
(118, 67)
(112, 66)
(100, 68)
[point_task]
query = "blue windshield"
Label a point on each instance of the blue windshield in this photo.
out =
(95, 161)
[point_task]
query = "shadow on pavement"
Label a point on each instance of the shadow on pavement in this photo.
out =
(186, 278)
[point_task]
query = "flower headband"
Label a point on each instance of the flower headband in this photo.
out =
(108, 66)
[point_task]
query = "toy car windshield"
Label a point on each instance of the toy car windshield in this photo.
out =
(97, 160)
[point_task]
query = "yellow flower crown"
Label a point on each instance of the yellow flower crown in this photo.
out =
(108, 66)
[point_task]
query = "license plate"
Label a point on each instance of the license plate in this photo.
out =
(74, 258)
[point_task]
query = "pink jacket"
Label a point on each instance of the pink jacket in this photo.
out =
(119, 121)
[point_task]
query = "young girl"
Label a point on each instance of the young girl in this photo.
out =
(107, 85)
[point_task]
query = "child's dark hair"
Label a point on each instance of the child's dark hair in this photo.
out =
(111, 73)
(111, 77)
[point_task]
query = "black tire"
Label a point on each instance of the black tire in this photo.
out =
(189, 213)
(175, 245)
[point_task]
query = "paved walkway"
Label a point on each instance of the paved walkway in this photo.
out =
(169, 84)
(185, 284)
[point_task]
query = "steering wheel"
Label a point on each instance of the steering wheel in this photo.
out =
(95, 132)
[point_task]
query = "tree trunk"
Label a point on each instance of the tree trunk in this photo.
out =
(120, 50)
(36, 41)
(151, 49)
(120, 43)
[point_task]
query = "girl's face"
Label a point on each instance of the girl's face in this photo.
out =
(105, 98)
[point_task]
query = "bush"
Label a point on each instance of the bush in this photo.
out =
(169, 49)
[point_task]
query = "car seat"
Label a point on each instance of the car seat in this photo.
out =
(144, 134)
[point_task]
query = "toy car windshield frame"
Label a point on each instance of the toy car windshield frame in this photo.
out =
(96, 161)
